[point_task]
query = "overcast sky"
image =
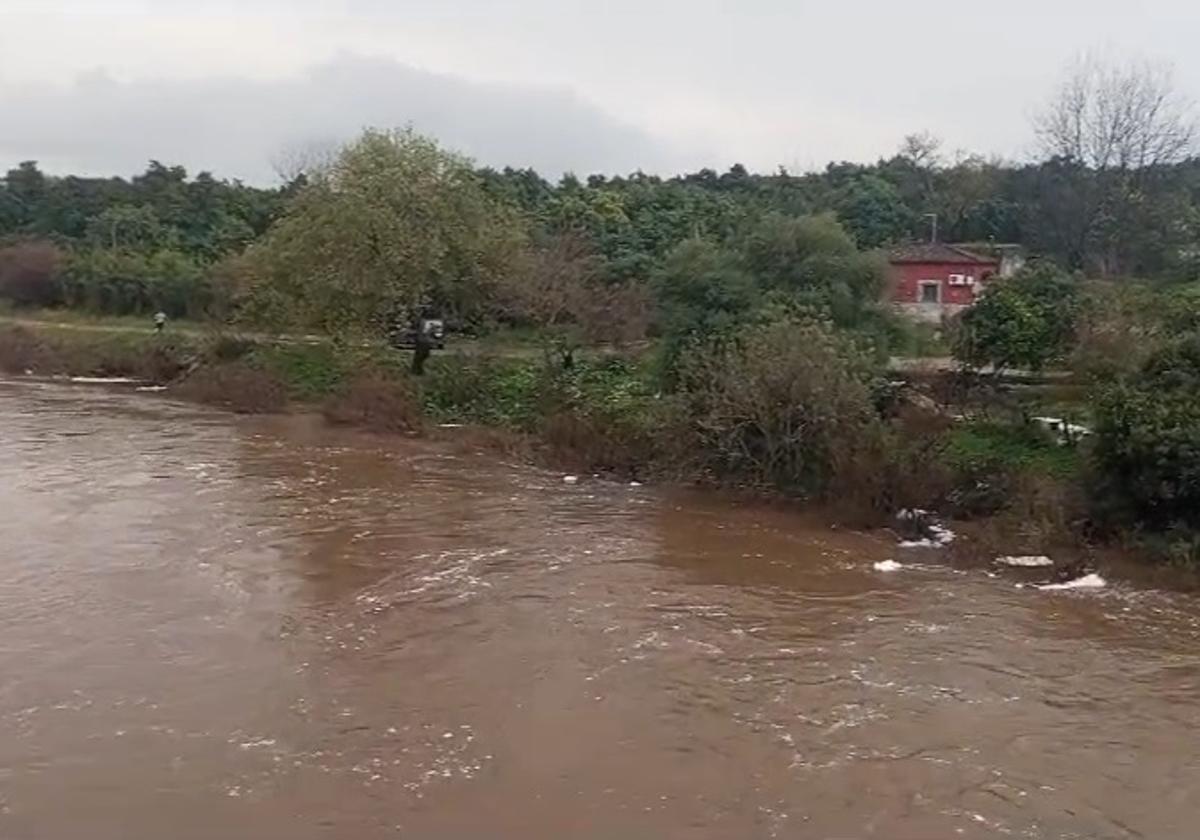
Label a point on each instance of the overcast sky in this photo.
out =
(101, 86)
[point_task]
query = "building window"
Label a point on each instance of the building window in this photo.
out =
(931, 291)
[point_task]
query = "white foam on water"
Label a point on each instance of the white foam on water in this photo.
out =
(1026, 562)
(1092, 581)
(888, 566)
(939, 537)
(570, 479)
(102, 380)
(257, 742)
(151, 388)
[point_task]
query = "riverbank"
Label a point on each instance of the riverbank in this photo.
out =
(1010, 490)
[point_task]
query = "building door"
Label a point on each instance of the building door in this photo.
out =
(931, 291)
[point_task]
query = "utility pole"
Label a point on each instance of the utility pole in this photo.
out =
(933, 233)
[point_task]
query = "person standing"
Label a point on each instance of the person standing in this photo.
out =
(160, 321)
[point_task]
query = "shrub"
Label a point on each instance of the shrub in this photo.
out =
(29, 273)
(483, 389)
(782, 405)
(85, 354)
(21, 350)
(310, 371)
(1147, 455)
(1175, 365)
(379, 403)
(227, 347)
(237, 386)
(1147, 443)
(601, 417)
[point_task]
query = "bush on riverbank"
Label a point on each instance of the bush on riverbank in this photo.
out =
(378, 402)
(791, 406)
(782, 406)
(21, 351)
(148, 358)
(30, 273)
(483, 389)
(1147, 448)
(237, 386)
(604, 416)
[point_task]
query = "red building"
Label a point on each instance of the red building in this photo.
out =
(932, 280)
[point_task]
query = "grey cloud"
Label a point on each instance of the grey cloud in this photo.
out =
(237, 127)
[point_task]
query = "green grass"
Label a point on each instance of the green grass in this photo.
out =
(921, 341)
(80, 318)
(1028, 449)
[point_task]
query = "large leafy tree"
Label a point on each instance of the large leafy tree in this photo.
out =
(393, 224)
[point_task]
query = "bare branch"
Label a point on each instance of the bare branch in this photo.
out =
(1117, 115)
(923, 149)
(296, 159)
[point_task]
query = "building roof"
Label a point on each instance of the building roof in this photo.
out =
(938, 252)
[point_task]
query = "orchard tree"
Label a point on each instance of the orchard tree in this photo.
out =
(1027, 321)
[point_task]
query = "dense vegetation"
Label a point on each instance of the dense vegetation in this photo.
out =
(728, 328)
(122, 239)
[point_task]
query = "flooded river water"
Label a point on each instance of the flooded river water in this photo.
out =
(220, 627)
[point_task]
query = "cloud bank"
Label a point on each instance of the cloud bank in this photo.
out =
(240, 128)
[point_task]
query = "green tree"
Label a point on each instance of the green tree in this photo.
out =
(394, 224)
(1027, 321)
(1147, 443)
(702, 291)
(811, 262)
(873, 211)
(125, 227)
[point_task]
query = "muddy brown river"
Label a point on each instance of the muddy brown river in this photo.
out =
(221, 627)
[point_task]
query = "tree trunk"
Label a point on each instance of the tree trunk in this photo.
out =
(421, 352)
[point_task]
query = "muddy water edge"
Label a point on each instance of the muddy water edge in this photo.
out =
(213, 626)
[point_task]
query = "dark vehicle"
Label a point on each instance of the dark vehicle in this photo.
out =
(404, 336)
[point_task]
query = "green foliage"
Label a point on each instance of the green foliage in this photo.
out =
(783, 405)
(394, 224)
(985, 447)
(132, 283)
(1122, 324)
(310, 371)
(1147, 443)
(483, 389)
(702, 291)
(1147, 452)
(777, 248)
(127, 227)
(873, 211)
(1027, 321)
(204, 218)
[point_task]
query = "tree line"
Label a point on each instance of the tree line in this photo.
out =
(1116, 193)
